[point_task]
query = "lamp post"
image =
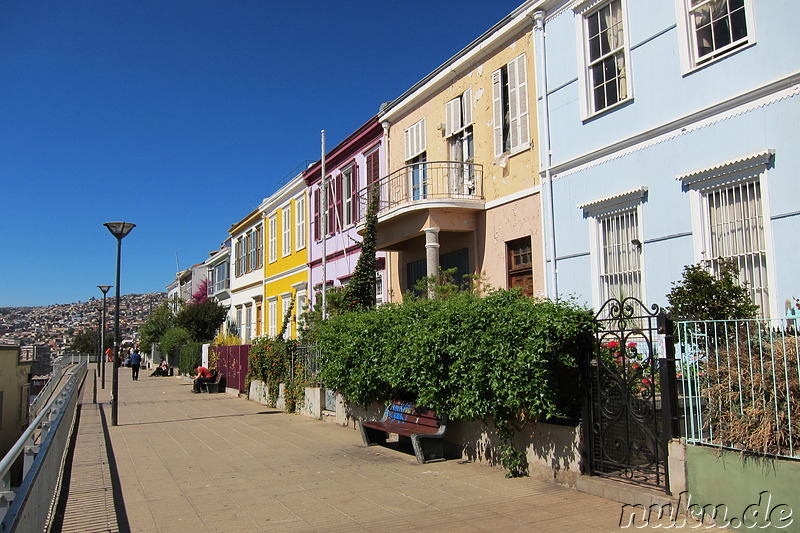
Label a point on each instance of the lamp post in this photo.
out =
(118, 230)
(102, 369)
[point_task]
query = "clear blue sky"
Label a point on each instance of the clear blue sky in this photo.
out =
(181, 116)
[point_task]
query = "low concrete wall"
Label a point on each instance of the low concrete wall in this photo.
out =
(759, 490)
(551, 450)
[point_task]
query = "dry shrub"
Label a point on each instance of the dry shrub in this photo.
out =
(753, 396)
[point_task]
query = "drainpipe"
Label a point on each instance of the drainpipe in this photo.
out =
(387, 254)
(545, 155)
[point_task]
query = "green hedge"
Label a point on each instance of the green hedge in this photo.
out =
(504, 356)
(191, 353)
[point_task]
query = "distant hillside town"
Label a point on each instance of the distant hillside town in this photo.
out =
(47, 332)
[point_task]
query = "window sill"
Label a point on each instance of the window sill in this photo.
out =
(694, 66)
(606, 110)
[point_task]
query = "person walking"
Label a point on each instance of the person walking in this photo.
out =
(135, 362)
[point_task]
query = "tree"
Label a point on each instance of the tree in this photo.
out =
(201, 320)
(700, 295)
(201, 294)
(360, 292)
(85, 342)
(173, 339)
(159, 321)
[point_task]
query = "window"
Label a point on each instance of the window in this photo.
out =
(286, 302)
(273, 239)
(259, 252)
(273, 317)
(415, 137)
(510, 107)
(520, 265)
(239, 322)
(286, 228)
(616, 245)
(253, 250)
(458, 130)
(373, 167)
(317, 219)
(300, 308)
(349, 195)
(620, 255)
(378, 288)
(300, 223)
(239, 259)
(715, 28)
(332, 188)
(733, 222)
(605, 51)
(248, 322)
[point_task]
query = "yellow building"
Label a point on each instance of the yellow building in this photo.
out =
(285, 255)
(14, 387)
(462, 189)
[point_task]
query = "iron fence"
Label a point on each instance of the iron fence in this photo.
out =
(306, 359)
(740, 384)
(431, 180)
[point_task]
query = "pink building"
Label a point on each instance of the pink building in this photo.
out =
(349, 167)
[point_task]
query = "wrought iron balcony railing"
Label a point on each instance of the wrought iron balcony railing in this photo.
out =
(420, 183)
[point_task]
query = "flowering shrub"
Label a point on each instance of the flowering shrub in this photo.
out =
(638, 371)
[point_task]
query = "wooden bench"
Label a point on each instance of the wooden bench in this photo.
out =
(218, 385)
(420, 424)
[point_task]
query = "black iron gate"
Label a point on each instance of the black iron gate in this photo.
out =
(632, 400)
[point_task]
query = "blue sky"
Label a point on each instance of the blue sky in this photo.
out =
(181, 116)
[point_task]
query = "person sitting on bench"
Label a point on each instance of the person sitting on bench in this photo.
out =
(203, 376)
(162, 369)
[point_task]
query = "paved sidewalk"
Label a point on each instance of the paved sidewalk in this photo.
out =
(203, 463)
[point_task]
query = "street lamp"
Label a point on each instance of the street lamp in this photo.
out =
(102, 369)
(118, 230)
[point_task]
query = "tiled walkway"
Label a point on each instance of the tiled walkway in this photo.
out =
(203, 463)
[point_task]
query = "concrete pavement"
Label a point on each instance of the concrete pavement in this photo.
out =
(201, 462)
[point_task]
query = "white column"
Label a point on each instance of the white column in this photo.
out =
(432, 256)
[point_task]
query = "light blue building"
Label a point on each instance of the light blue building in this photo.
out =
(669, 135)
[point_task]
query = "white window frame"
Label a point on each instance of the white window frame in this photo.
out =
(379, 288)
(286, 300)
(273, 238)
(460, 144)
(286, 230)
(248, 323)
(584, 11)
(300, 223)
(273, 316)
(690, 60)
(733, 175)
(252, 263)
(599, 211)
(348, 218)
(515, 84)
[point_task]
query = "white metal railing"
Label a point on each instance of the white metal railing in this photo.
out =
(59, 365)
(29, 506)
(741, 385)
(419, 182)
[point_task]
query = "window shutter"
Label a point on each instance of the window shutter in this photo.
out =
(354, 192)
(497, 105)
(316, 215)
(415, 139)
(408, 144)
(513, 104)
(522, 101)
(331, 207)
(452, 111)
(466, 103)
(339, 201)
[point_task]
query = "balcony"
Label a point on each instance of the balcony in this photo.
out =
(432, 184)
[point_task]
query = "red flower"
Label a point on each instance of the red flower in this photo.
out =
(631, 345)
(613, 344)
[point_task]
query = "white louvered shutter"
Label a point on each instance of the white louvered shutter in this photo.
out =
(452, 110)
(523, 135)
(497, 105)
(466, 103)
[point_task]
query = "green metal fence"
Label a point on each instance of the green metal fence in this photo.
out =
(740, 384)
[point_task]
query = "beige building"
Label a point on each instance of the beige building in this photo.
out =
(462, 188)
(14, 387)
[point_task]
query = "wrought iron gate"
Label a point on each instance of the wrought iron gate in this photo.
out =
(632, 400)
